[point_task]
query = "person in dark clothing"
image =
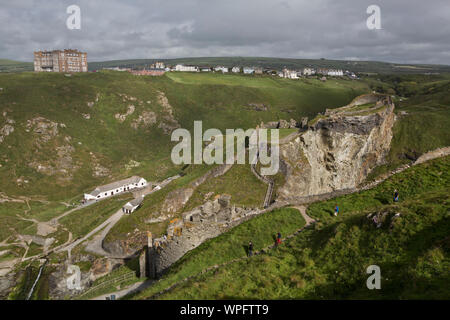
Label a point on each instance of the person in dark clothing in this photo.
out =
(395, 195)
(278, 240)
(250, 249)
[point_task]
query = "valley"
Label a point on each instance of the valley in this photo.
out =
(61, 137)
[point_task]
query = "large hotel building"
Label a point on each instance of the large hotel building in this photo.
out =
(60, 61)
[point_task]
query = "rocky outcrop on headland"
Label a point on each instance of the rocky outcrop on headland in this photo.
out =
(339, 149)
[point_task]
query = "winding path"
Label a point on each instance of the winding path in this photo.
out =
(308, 222)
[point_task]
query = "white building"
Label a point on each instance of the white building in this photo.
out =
(132, 205)
(335, 73)
(180, 67)
(248, 70)
(111, 189)
(160, 65)
(290, 74)
(308, 71)
(221, 68)
(236, 69)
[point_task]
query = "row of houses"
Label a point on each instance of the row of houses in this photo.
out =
(159, 68)
(296, 74)
(285, 73)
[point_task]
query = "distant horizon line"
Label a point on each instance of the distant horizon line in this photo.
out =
(254, 57)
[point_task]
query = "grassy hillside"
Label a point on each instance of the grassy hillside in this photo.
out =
(71, 134)
(15, 66)
(230, 245)
(423, 116)
(330, 261)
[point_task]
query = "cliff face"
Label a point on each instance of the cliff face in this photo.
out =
(339, 149)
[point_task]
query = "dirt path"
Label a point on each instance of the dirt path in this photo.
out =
(96, 245)
(307, 218)
(110, 221)
(134, 288)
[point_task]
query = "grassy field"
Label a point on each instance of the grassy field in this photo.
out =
(9, 219)
(86, 137)
(233, 244)
(239, 182)
(82, 221)
(15, 66)
(330, 261)
(423, 110)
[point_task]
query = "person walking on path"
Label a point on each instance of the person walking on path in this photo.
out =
(395, 195)
(250, 249)
(278, 240)
(336, 210)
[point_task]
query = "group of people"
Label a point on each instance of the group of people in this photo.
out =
(336, 212)
(277, 242)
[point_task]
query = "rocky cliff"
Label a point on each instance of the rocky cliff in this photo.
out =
(339, 149)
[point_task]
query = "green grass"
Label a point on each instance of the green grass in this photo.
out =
(15, 66)
(330, 261)
(152, 205)
(425, 126)
(13, 252)
(82, 221)
(260, 230)
(220, 102)
(428, 177)
(130, 266)
(9, 221)
(239, 182)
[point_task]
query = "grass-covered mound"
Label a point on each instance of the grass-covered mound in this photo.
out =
(68, 137)
(330, 262)
(260, 230)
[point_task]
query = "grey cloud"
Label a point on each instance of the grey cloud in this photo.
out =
(413, 31)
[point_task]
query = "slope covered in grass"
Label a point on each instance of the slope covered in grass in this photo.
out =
(230, 245)
(330, 262)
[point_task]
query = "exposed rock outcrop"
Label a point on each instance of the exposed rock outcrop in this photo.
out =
(147, 118)
(176, 199)
(168, 122)
(123, 117)
(339, 149)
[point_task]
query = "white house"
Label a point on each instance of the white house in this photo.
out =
(205, 69)
(180, 67)
(132, 205)
(308, 71)
(111, 189)
(221, 68)
(248, 70)
(235, 69)
(290, 74)
(335, 73)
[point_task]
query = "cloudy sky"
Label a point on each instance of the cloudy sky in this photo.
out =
(413, 31)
